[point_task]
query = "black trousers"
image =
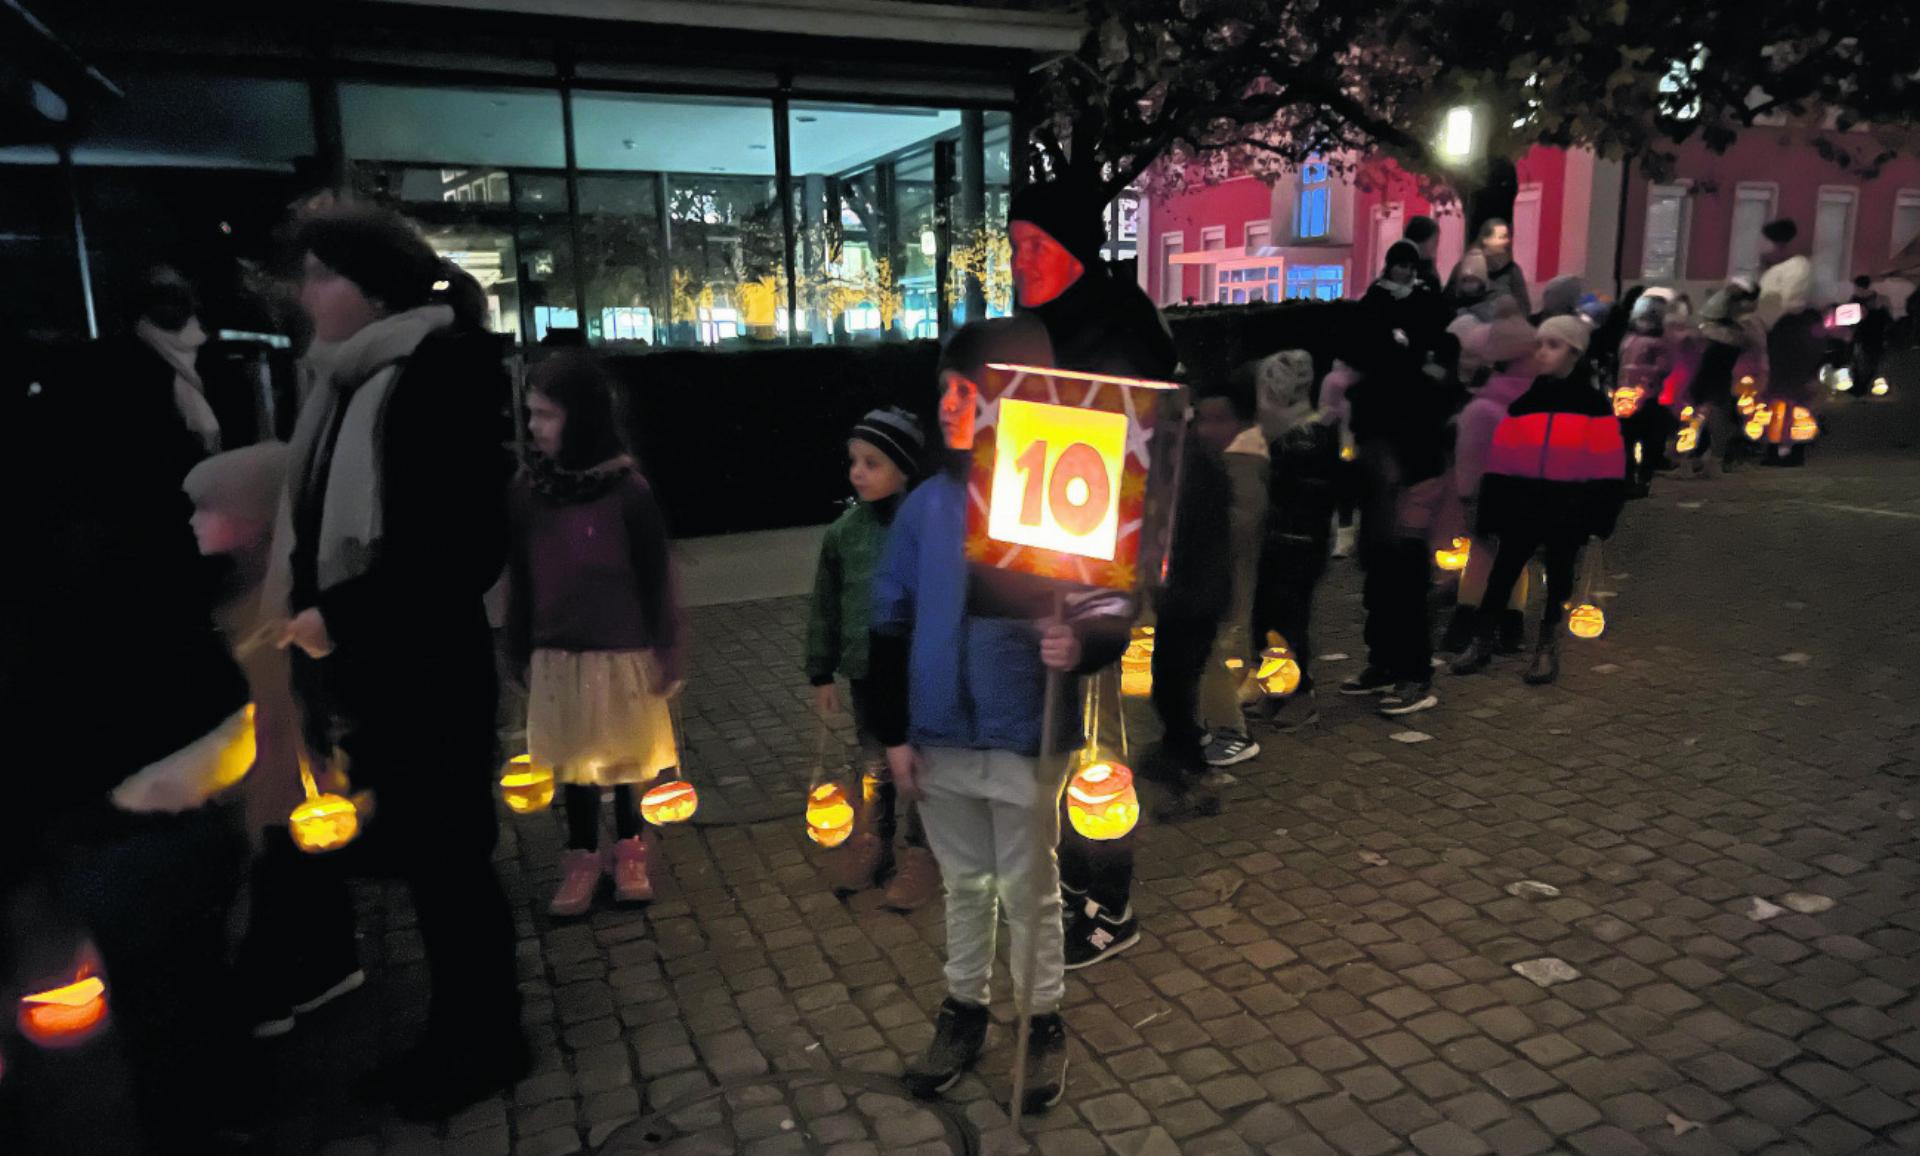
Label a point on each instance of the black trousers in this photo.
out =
(1647, 430)
(1395, 596)
(1517, 547)
(1283, 599)
(1180, 650)
(879, 798)
(583, 815)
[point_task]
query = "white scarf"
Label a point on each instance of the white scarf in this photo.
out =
(358, 373)
(179, 349)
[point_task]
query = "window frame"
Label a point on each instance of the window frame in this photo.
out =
(1837, 194)
(1172, 276)
(1683, 190)
(1903, 199)
(1316, 198)
(1744, 192)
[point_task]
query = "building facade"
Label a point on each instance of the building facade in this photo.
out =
(661, 173)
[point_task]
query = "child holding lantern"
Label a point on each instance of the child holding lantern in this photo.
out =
(595, 615)
(883, 453)
(958, 663)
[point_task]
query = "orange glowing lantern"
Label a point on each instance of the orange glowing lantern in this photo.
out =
(673, 801)
(1101, 802)
(1347, 453)
(1278, 675)
(325, 822)
(1454, 560)
(1627, 399)
(1688, 439)
(527, 786)
(1756, 427)
(1587, 621)
(1804, 428)
(68, 1015)
(1136, 664)
(829, 815)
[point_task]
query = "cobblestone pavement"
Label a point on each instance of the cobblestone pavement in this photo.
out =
(1707, 828)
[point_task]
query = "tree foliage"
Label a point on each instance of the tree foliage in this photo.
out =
(1260, 85)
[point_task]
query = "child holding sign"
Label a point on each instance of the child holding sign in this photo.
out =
(959, 659)
(883, 453)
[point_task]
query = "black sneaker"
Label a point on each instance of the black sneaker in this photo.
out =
(1227, 748)
(1095, 936)
(269, 1013)
(1408, 698)
(1046, 1064)
(959, 1032)
(1372, 680)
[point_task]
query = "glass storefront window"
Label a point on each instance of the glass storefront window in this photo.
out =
(869, 248)
(450, 127)
(680, 218)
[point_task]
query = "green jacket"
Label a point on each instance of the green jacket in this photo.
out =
(843, 591)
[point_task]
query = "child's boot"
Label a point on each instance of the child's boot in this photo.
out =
(916, 880)
(853, 866)
(630, 881)
(579, 878)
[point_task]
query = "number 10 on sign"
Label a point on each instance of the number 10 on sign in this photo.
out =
(1056, 478)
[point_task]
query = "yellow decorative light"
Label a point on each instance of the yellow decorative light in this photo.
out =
(1688, 439)
(1278, 675)
(325, 822)
(527, 786)
(829, 815)
(1587, 621)
(673, 801)
(1879, 387)
(1101, 802)
(1136, 664)
(1756, 427)
(1804, 428)
(1454, 560)
(1627, 399)
(1347, 453)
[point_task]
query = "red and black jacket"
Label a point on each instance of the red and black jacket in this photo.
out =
(1556, 464)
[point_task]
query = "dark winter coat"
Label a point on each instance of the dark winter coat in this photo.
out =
(1199, 584)
(1556, 465)
(1106, 325)
(842, 608)
(409, 690)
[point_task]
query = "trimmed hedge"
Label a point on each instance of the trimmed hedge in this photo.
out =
(754, 439)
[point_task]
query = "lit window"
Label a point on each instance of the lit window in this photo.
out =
(1752, 208)
(1665, 243)
(1316, 202)
(1318, 282)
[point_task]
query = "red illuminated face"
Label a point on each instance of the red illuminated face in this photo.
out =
(958, 399)
(1042, 268)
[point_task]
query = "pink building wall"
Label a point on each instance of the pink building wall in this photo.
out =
(1798, 173)
(1229, 204)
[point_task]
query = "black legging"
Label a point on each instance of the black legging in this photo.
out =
(583, 815)
(1518, 544)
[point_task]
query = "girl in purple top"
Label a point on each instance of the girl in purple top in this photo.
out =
(595, 619)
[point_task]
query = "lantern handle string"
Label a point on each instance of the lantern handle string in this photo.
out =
(1045, 824)
(1590, 566)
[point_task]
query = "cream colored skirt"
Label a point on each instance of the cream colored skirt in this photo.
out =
(592, 719)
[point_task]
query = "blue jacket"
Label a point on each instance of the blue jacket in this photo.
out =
(974, 676)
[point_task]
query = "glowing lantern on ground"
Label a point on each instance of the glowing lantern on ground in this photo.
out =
(325, 822)
(1136, 664)
(1627, 399)
(1879, 387)
(1101, 803)
(1347, 453)
(1688, 439)
(1587, 621)
(68, 1015)
(829, 815)
(1842, 379)
(1454, 560)
(673, 801)
(1278, 675)
(527, 786)
(1756, 427)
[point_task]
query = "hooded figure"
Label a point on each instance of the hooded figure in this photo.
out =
(1097, 323)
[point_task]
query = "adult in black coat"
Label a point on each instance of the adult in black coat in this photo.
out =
(396, 529)
(1097, 323)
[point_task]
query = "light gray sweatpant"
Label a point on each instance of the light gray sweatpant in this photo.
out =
(993, 822)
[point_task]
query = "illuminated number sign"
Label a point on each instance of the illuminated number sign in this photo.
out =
(1073, 474)
(1056, 478)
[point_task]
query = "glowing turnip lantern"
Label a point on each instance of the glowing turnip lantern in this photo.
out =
(1136, 664)
(1804, 427)
(527, 786)
(1627, 399)
(673, 801)
(1879, 387)
(1278, 674)
(1101, 802)
(325, 822)
(1454, 559)
(69, 1014)
(1587, 621)
(830, 815)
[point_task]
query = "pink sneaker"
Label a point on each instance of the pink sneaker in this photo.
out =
(630, 882)
(580, 879)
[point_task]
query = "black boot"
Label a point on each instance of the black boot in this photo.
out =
(1513, 632)
(1546, 658)
(1046, 1063)
(1459, 632)
(1479, 656)
(959, 1032)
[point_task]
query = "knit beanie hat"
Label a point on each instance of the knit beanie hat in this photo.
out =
(1473, 265)
(1402, 253)
(1562, 295)
(1501, 340)
(895, 433)
(1570, 330)
(1069, 211)
(243, 483)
